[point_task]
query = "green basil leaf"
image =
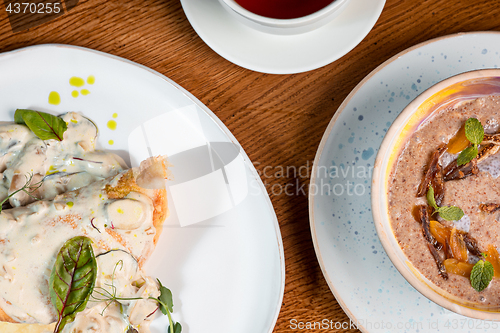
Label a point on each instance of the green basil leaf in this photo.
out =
(430, 198)
(72, 279)
(467, 155)
(44, 125)
(474, 131)
(481, 275)
(451, 213)
(165, 298)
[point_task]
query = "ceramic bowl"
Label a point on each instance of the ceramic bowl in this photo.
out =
(447, 93)
(284, 26)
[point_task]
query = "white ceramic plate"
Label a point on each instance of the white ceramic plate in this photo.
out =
(275, 54)
(361, 276)
(220, 252)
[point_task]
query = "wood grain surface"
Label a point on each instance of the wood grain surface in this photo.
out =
(278, 119)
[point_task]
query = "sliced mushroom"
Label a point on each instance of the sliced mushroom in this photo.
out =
(21, 198)
(118, 268)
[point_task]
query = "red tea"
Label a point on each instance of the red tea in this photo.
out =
(283, 9)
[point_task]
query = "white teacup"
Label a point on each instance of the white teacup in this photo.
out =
(285, 26)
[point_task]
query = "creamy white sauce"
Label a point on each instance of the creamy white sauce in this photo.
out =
(31, 236)
(63, 165)
(119, 269)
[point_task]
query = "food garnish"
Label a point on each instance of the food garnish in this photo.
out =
(44, 125)
(454, 266)
(459, 142)
(439, 261)
(433, 170)
(489, 207)
(27, 188)
(449, 213)
(454, 172)
(439, 231)
(72, 280)
(423, 218)
(166, 307)
(72, 285)
(457, 246)
(455, 251)
(481, 275)
(493, 257)
(492, 139)
(471, 245)
(474, 132)
(165, 300)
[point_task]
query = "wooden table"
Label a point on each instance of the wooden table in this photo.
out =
(278, 119)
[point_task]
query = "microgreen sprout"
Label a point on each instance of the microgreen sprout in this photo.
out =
(27, 188)
(165, 302)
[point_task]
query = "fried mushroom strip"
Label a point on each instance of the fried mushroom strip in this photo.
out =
(439, 261)
(453, 171)
(471, 245)
(432, 243)
(437, 183)
(491, 138)
(447, 250)
(489, 207)
(423, 216)
(433, 169)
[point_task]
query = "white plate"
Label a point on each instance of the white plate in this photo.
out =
(275, 54)
(361, 276)
(220, 252)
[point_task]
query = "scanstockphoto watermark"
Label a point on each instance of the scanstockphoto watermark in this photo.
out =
(350, 180)
(329, 325)
(434, 325)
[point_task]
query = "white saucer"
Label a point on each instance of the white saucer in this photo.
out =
(275, 54)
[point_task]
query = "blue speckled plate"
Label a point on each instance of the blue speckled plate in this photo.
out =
(361, 276)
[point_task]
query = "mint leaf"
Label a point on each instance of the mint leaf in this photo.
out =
(44, 125)
(451, 213)
(430, 198)
(481, 275)
(474, 131)
(467, 155)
